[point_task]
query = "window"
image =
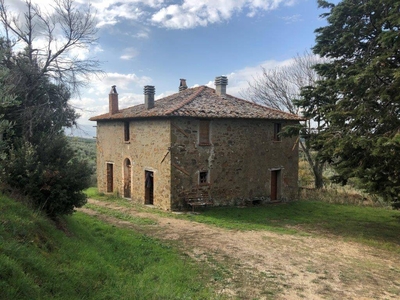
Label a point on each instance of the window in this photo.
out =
(126, 131)
(277, 130)
(204, 132)
(203, 177)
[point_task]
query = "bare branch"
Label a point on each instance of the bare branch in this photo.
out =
(63, 31)
(279, 87)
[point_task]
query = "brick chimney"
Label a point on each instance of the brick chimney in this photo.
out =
(182, 85)
(149, 92)
(220, 85)
(113, 101)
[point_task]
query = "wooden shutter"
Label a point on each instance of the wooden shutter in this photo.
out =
(126, 131)
(277, 130)
(204, 132)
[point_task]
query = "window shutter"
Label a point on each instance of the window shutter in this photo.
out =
(126, 131)
(204, 132)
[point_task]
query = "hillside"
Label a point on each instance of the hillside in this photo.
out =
(83, 258)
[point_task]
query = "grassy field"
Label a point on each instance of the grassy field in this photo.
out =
(84, 258)
(88, 259)
(374, 226)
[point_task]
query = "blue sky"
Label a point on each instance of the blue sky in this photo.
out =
(157, 42)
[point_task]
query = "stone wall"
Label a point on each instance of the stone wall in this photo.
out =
(239, 160)
(147, 147)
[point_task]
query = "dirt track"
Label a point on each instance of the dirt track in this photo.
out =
(267, 265)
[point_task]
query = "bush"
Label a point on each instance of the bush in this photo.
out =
(48, 175)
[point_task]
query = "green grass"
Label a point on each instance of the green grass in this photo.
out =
(374, 226)
(121, 215)
(89, 260)
(370, 225)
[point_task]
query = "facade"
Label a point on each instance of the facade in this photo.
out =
(197, 140)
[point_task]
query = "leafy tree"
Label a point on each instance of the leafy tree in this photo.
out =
(37, 52)
(359, 95)
(50, 40)
(280, 88)
(49, 175)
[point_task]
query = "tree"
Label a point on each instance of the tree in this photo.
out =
(7, 100)
(362, 82)
(280, 88)
(37, 53)
(50, 41)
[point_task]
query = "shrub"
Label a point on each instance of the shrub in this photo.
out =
(48, 175)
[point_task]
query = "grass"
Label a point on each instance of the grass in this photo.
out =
(89, 259)
(374, 226)
(121, 215)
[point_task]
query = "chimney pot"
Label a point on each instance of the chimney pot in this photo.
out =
(220, 85)
(113, 101)
(149, 92)
(182, 85)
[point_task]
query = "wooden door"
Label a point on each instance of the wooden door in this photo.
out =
(110, 178)
(274, 185)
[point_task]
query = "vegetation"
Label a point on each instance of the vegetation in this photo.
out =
(89, 260)
(85, 150)
(373, 226)
(37, 83)
(359, 95)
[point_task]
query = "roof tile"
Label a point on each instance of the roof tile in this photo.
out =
(201, 102)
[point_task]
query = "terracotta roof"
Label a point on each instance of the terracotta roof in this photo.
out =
(201, 102)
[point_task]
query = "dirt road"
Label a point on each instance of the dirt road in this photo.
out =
(267, 265)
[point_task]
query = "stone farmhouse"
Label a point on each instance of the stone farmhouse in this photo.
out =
(199, 140)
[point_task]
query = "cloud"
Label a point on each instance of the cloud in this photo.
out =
(129, 53)
(171, 14)
(124, 82)
(144, 34)
(193, 13)
(238, 81)
(94, 99)
(292, 19)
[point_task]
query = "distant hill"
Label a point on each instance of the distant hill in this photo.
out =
(85, 149)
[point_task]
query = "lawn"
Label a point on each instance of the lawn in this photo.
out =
(370, 225)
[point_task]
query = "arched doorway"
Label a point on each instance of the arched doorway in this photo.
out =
(127, 178)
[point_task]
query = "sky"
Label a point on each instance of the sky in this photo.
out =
(157, 42)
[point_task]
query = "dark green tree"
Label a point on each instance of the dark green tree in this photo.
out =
(358, 98)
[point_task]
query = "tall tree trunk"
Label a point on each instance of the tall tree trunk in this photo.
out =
(316, 167)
